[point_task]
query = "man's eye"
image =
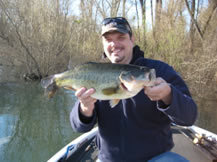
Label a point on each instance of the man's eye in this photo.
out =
(108, 40)
(122, 38)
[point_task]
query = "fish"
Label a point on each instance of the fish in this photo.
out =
(111, 81)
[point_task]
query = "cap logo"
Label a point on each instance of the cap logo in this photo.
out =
(112, 24)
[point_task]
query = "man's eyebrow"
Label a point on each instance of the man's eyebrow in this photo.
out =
(106, 36)
(122, 34)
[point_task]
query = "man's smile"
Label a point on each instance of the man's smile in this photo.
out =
(116, 51)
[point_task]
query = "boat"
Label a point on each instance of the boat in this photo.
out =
(194, 143)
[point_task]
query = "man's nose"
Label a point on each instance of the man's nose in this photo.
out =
(114, 43)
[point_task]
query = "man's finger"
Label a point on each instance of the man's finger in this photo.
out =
(79, 92)
(159, 81)
(149, 90)
(89, 100)
(87, 93)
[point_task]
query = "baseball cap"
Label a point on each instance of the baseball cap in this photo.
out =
(119, 24)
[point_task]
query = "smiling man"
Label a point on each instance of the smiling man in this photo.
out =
(137, 129)
(118, 47)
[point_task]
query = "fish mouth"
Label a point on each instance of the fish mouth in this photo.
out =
(151, 78)
(152, 75)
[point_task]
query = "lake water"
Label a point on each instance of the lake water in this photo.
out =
(33, 128)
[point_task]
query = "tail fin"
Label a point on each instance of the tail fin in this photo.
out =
(50, 86)
(45, 82)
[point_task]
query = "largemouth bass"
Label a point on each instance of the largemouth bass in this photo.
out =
(111, 81)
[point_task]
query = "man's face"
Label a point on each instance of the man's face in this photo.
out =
(118, 47)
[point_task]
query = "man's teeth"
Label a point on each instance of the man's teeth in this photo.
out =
(116, 51)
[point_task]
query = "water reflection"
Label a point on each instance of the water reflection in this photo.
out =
(32, 128)
(7, 125)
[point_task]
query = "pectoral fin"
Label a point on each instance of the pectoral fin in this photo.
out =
(69, 88)
(114, 102)
(110, 91)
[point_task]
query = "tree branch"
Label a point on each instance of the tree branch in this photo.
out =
(213, 6)
(194, 21)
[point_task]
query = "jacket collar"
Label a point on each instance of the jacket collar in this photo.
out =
(137, 53)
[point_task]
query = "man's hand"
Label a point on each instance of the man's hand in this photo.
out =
(86, 101)
(161, 91)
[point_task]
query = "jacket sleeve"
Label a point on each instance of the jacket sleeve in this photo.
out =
(182, 110)
(76, 122)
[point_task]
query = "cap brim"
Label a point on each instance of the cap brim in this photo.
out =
(114, 29)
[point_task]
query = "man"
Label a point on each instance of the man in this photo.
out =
(137, 129)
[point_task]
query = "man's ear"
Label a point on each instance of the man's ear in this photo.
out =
(133, 38)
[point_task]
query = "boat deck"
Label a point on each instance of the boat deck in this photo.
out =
(183, 146)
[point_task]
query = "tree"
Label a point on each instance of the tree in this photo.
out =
(158, 9)
(212, 7)
(143, 9)
(20, 38)
(39, 32)
(191, 12)
(108, 8)
(192, 29)
(138, 24)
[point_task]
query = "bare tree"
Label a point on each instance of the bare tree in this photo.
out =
(193, 19)
(138, 24)
(143, 9)
(192, 29)
(108, 8)
(152, 15)
(212, 7)
(124, 8)
(158, 9)
(41, 33)
(115, 5)
(20, 38)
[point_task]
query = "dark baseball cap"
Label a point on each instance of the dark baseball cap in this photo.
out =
(119, 24)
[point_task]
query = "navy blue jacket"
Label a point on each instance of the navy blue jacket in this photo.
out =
(137, 129)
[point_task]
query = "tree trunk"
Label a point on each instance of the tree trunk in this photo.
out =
(143, 9)
(115, 4)
(158, 8)
(152, 15)
(192, 29)
(124, 8)
(137, 15)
